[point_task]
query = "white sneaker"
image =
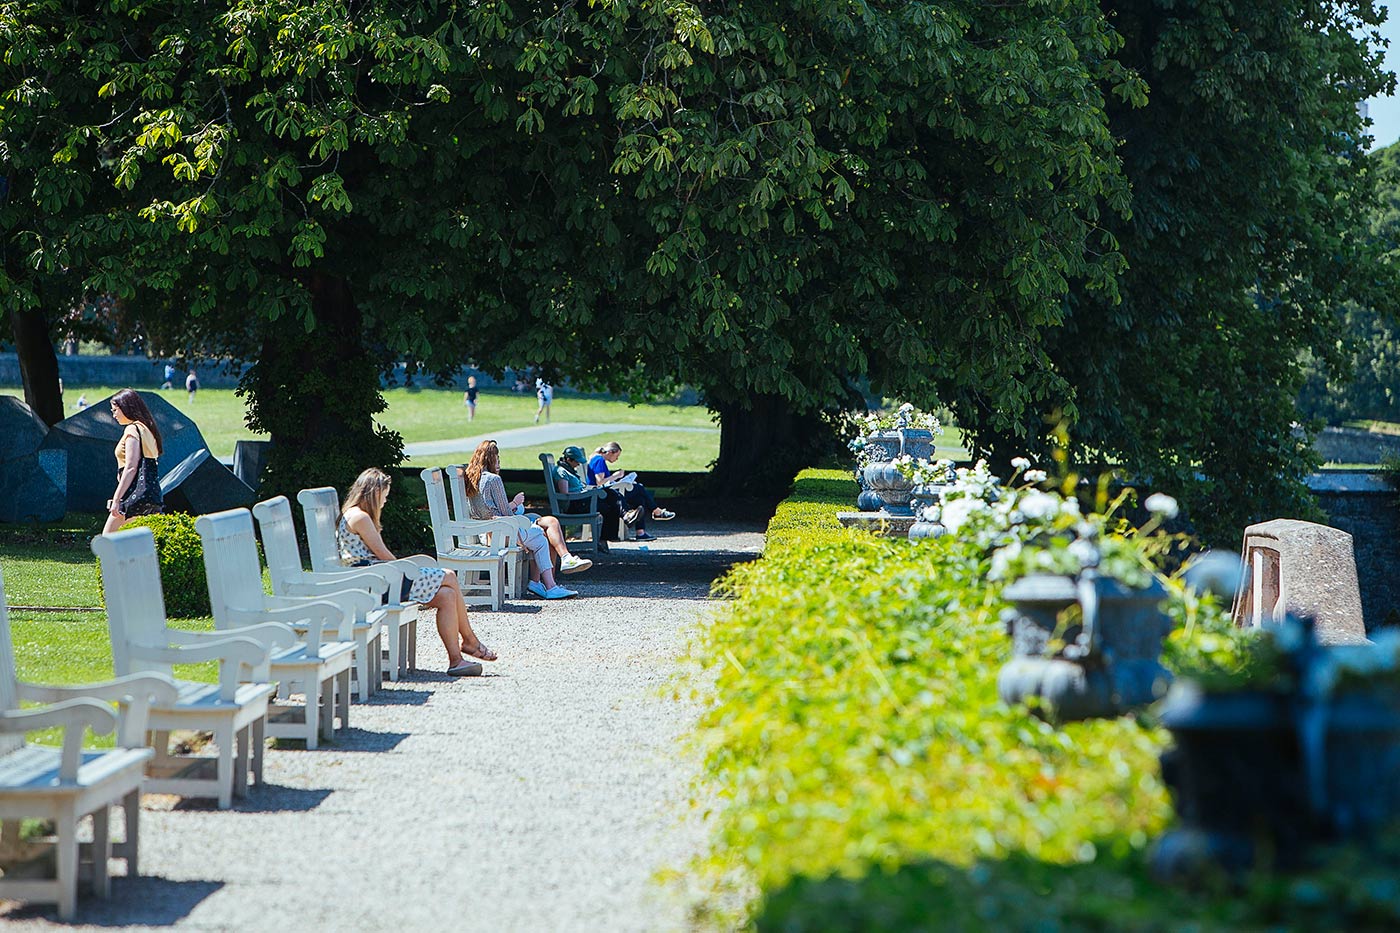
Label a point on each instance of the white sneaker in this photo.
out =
(536, 587)
(574, 564)
(559, 592)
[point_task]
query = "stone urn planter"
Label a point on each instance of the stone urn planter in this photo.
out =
(881, 479)
(1101, 662)
(1256, 771)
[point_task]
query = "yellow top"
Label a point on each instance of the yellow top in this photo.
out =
(148, 443)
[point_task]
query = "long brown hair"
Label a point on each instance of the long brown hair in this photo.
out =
(130, 403)
(486, 458)
(365, 493)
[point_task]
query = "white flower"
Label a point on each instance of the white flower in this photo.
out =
(1020, 463)
(1085, 551)
(955, 513)
(906, 407)
(1037, 505)
(1036, 476)
(1159, 503)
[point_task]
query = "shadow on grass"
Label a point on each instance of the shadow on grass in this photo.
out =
(144, 901)
(1347, 888)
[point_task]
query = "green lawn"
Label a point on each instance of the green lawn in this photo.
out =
(641, 450)
(428, 415)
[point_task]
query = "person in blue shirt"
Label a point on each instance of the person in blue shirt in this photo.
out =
(638, 503)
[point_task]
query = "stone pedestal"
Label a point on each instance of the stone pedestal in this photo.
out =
(1305, 569)
(879, 523)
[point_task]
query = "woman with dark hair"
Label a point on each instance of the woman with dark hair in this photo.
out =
(138, 483)
(360, 543)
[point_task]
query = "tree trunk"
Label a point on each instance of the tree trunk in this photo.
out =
(317, 394)
(38, 364)
(764, 444)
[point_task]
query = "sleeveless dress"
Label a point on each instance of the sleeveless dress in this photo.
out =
(144, 496)
(355, 553)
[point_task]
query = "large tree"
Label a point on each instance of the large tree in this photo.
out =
(1249, 233)
(767, 200)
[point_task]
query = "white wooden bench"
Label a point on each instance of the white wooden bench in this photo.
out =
(458, 546)
(559, 502)
(290, 578)
(517, 557)
(320, 510)
(234, 711)
(319, 665)
(63, 785)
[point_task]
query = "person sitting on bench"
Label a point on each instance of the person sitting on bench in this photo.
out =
(638, 503)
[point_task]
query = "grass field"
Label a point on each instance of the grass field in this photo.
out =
(438, 414)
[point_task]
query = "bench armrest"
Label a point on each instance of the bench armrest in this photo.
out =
(74, 716)
(319, 582)
(234, 654)
(136, 691)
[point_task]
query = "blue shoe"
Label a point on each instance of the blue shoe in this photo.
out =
(536, 587)
(559, 592)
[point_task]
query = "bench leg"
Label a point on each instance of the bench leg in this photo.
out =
(101, 851)
(67, 826)
(130, 849)
(223, 774)
(259, 742)
(342, 696)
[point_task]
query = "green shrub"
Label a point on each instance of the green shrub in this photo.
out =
(181, 556)
(870, 778)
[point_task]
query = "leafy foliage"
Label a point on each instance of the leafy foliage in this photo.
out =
(870, 779)
(181, 556)
(1250, 222)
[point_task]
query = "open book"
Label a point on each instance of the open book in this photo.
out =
(622, 483)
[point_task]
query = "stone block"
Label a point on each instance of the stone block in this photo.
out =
(200, 484)
(34, 488)
(90, 440)
(21, 431)
(1305, 569)
(249, 461)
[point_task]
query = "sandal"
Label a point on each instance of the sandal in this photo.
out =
(663, 515)
(481, 652)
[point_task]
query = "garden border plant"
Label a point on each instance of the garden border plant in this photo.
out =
(856, 744)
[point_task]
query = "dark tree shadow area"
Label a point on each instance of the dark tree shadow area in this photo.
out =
(1347, 889)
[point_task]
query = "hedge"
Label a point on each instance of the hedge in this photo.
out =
(870, 778)
(181, 555)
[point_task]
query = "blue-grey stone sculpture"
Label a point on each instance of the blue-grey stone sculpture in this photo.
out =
(34, 488)
(21, 431)
(200, 484)
(249, 461)
(90, 436)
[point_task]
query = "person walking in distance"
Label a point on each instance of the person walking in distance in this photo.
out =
(469, 398)
(191, 383)
(545, 393)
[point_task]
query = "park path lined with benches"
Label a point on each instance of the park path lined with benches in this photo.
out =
(543, 796)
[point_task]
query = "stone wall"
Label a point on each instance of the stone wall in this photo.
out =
(1368, 508)
(1351, 445)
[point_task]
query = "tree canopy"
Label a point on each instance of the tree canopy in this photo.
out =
(767, 200)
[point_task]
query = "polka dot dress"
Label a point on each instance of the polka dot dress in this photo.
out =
(353, 551)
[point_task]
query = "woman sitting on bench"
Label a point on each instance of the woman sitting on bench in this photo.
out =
(486, 492)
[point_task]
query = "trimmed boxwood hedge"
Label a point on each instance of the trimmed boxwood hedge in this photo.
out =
(870, 778)
(181, 556)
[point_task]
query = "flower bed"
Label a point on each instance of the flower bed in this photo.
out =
(871, 779)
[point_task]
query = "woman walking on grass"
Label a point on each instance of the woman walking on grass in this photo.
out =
(360, 543)
(138, 482)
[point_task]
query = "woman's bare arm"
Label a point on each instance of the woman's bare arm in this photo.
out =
(360, 523)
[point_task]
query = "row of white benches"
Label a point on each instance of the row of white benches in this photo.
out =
(319, 630)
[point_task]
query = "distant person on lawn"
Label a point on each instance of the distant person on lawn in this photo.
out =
(469, 398)
(358, 538)
(545, 393)
(138, 481)
(191, 383)
(486, 492)
(637, 503)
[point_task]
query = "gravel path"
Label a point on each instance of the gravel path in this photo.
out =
(545, 796)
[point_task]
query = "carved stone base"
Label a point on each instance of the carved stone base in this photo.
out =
(879, 523)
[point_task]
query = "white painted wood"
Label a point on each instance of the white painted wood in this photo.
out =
(66, 784)
(517, 556)
(320, 509)
(480, 568)
(559, 502)
(143, 643)
(318, 664)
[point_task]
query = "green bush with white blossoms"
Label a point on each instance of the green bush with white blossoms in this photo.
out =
(1027, 528)
(924, 472)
